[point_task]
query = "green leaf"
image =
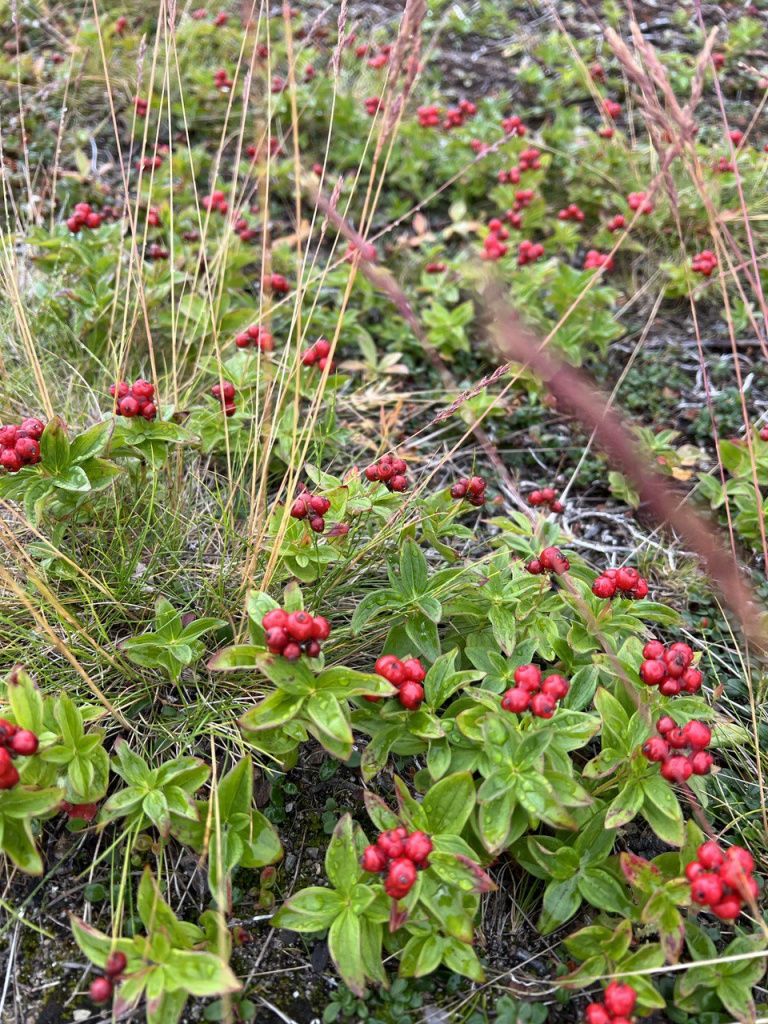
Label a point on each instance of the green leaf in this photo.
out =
(330, 724)
(277, 709)
(310, 910)
(74, 478)
(421, 955)
(560, 903)
(344, 947)
(449, 803)
(603, 891)
(199, 973)
(341, 857)
(662, 811)
(413, 569)
(91, 442)
(626, 805)
(54, 446)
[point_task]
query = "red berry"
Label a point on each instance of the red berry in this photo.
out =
(555, 687)
(626, 578)
(411, 695)
(542, 705)
(128, 406)
(653, 672)
(741, 856)
(418, 847)
(275, 617)
(698, 734)
(414, 670)
(28, 450)
(312, 649)
(299, 626)
(391, 843)
(669, 687)
(691, 680)
(291, 652)
(317, 524)
(596, 1013)
(149, 411)
(677, 738)
(299, 508)
(683, 651)
(693, 870)
(321, 627)
(100, 990)
(516, 700)
(534, 567)
(676, 769)
(391, 668)
(459, 490)
(710, 855)
(277, 639)
(528, 677)
(728, 909)
(619, 999)
(604, 587)
(24, 742)
(653, 649)
(400, 877)
(374, 859)
(554, 561)
(398, 483)
(10, 460)
(116, 964)
(706, 888)
(656, 748)
(665, 724)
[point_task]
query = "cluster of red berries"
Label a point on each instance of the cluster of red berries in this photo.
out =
(400, 854)
(225, 392)
(704, 262)
(312, 506)
(14, 742)
(155, 251)
(722, 879)
(216, 202)
(667, 748)
(389, 471)
(612, 109)
(255, 336)
(429, 116)
(221, 80)
(134, 399)
(627, 582)
(513, 125)
(670, 668)
(436, 267)
(617, 223)
(493, 243)
(571, 212)
(84, 216)
(456, 116)
(529, 252)
(141, 105)
(318, 354)
(472, 488)
(546, 496)
(594, 259)
(373, 105)
(550, 560)
(291, 633)
(639, 202)
(243, 230)
(617, 1005)
(531, 693)
(529, 160)
(20, 444)
(406, 675)
(102, 988)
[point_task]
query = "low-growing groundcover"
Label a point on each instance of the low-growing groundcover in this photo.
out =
(346, 675)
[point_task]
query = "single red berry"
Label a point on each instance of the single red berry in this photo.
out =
(528, 677)
(728, 908)
(100, 990)
(534, 567)
(653, 649)
(128, 407)
(619, 999)
(555, 687)
(516, 700)
(28, 450)
(391, 843)
(321, 627)
(312, 649)
(275, 617)
(677, 738)
(554, 561)
(10, 460)
(683, 651)
(741, 856)
(596, 1013)
(701, 762)
(459, 490)
(299, 626)
(317, 524)
(149, 411)
(698, 734)
(411, 695)
(418, 847)
(604, 587)
(669, 687)
(143, 389)
(291, 652)
(665, 724)
(276, 638)
(299, 508)
(542, 705)
(116, 964)
(627, 578)
(693, 870)
(691, 680)
(24, 743)
(391, 668)
(374, 859)
(706, 888)
(400, 877)
(398, 483)
(656, 748)
(653, 672)
(676, 769)
(709, 855)
(414, 670)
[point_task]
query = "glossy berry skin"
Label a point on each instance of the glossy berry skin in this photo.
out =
(555, 687)
(277, 639)
(24, 743)
(656, 748)
(741, 856)
(627, 578)
(596, 1013)
(291, 652)
(391, 843)
(276, 617)
(534, 567)
(411, 695)
(391, 669)
(691, 680)
(653, 672)
(693, 870)
(553, 560)
(707, 889)
(100, 990)
(116, 964)
(677, 738)
(9, 775)
(414, 670)
(728, 909)
(516, 700)
(698, 734)
(528, 677)
(299, 626)
(418, 847)
(653, 649)
(604, 588)
(542, 705)
(374, 859)
(709, 855)
(677, 769)
(664, 725)
(619, 999)
(400, 877)
(321, 628)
